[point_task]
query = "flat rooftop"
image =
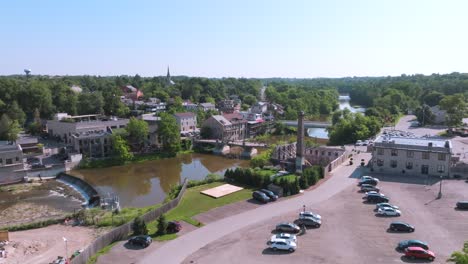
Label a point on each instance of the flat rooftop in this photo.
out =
(410, 141)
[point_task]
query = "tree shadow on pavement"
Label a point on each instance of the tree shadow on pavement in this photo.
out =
(408, 260)
(133, 247)
(269, 251)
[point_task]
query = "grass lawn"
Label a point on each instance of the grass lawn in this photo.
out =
(194, 203)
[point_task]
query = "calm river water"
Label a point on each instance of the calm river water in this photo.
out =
(146, 183)
(343, 104)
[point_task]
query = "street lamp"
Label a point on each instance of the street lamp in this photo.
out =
(66, 249)
(440, 187)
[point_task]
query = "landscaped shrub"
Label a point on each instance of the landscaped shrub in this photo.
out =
(162, 225)
(255, 178)
(139, 226)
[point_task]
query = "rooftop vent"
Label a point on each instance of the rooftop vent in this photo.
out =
(429, 144)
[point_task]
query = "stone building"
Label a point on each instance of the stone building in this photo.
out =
(226, 130)
(11, 163)
(412, 156)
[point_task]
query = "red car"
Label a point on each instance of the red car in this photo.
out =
(418, 252)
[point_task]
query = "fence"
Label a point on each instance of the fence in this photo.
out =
(121, 232)
(335, 163)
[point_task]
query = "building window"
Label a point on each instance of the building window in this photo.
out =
(441, 156)
(380, 151)
(394, 152)
(329, 153)
(410, 154)
(17, 158)
(1, 161)
(393, 163)
(380, 162)
(424, 169)
(425, 155)
(409, 165)
(9, 161)
(440, 168)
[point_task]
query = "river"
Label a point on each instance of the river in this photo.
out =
(343, 104)
(146, 183)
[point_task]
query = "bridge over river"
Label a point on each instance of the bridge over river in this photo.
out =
(233, 143)
(307, 124)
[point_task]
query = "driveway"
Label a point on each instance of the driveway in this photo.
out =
(179, 249)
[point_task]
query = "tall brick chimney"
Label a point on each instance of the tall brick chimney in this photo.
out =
(300, 142)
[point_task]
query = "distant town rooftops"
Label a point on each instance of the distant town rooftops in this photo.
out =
(185, 115)
(150, 117)
(222, 120)
(6, 146)
(207, 104)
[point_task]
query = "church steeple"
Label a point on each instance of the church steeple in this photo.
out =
(169, 82)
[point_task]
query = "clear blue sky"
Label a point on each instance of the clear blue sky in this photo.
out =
(239, 38)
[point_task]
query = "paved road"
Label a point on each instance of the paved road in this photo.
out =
(177, 250)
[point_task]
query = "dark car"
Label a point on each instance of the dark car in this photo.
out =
(270, 194)
(142, 241)
(412, 243)
(373, 182)
(401, 226)
(287, 227)
(261, 197)
(173, 227)
(377, 199)
(462, 205)
(308, 221)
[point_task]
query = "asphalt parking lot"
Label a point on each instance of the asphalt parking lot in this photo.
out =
(352, 233)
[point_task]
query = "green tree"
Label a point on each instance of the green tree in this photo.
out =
(90, 103)
(139, 226)
(16, 113)
(162, 225)
(120, 149)
(460, 257)
(168, 130)
(138, 131)
(456, 108)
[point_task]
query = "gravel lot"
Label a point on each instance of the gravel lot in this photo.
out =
(351, 233)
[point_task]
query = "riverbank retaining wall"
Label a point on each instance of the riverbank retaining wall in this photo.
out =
(122, 232)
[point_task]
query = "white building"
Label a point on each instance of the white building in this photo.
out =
(439, 115)
(259, 108)
(187, 122)
(412, 156)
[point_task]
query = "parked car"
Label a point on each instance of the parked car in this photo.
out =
(382, 205)
(173, 227)
(462, 205)
(373, 181)
(420, 253)
(374, 193)
(282, 244)
(270, 194)
(387, 211)
(401, 226)
(358, 143)
(308, 221)
(310, 214)
(377, 199)
(366, 177)
(287, 227)
(369, 187)
(284, 236)
(142, 241)
(261, 197)
(412, 243)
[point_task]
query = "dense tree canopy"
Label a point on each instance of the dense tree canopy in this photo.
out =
(168, 130)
